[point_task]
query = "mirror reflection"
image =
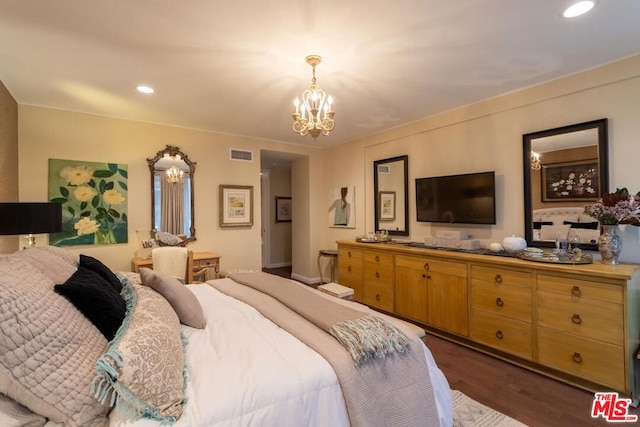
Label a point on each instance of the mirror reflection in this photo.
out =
(564, 169)
(172, 204)
(391, 207)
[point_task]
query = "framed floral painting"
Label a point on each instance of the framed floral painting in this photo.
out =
(94, 202)
(575, 181)
(236, 206)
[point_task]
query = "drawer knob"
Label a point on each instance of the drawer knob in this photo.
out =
(499, 334)
(424, 276)
(576, 319)
(576, 292)
(377, 275)
(498, 278)
(499, 302)
(349, 269)
(426, 266)
(377, 297)
(349, 254)
(576, 357)
(377, 258)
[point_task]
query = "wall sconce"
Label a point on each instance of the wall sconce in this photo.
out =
(535, 161)
(30, 218)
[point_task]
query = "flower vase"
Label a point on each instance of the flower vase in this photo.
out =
(609, 244)
(104, 237)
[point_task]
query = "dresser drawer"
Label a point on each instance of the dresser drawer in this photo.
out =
(586, 318)
(379, 295)
(510, 336)
(581, 289)
(349, 253)
(501, 277)
(209, 262)
(450, 268)
(378, 258)
(509, 301)
(592, 360)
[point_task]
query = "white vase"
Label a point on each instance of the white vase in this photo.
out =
(514, 244)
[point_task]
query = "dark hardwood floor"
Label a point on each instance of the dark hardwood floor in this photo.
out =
(529, 397)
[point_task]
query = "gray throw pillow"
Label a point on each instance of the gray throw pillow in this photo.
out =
(182, 300)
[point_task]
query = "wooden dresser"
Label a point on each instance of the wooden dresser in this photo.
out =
(576, 323)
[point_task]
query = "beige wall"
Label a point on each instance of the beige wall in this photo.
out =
(48, 133)
(8, 159)
(488, 136)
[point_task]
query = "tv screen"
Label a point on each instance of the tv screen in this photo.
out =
(462, 199)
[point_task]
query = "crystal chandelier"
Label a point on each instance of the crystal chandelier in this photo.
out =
(175, 175)
(535, 160)
(314, 115)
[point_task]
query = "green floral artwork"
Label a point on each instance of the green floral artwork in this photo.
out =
(94, 202)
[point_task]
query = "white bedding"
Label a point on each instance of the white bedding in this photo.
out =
(246, 371)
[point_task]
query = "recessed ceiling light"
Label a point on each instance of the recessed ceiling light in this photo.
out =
(578, 9)
(145, 89)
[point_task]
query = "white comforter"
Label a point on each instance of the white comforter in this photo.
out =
(246, 371)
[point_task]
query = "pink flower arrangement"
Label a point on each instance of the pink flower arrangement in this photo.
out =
(616, 208)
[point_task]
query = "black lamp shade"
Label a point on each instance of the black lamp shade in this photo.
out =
(30, 218)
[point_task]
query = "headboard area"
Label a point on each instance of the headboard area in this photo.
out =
(564, 223)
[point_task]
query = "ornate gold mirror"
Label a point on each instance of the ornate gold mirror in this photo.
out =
(172, 202)
(565, 169)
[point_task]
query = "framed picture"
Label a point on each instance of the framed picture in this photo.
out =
(576, 181)
(387, 205)
(94, 198)
(283, 209)
(236, 206)
(342, 207)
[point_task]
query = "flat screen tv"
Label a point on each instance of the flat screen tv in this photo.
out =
(457, 199)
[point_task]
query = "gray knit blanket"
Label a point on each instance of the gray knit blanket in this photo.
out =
(394, 390)
(365, 337)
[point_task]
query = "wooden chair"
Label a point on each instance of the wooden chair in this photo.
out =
(178, 262)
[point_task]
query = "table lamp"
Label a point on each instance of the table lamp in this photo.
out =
(30, 218)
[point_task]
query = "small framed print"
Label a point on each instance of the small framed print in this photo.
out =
(387, 205)
(236, 206)
(283, 209)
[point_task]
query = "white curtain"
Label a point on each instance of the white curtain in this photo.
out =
(171, 206)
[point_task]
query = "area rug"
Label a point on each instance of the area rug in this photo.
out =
(469, 413)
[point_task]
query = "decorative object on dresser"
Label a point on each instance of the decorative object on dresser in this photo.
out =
(513, 244)
(613, 209)
(30, 218)
(94, 201)
(585, 147)
(236, 205)
(578, 323)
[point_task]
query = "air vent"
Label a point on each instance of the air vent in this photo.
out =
(241, 155)
(384, 169)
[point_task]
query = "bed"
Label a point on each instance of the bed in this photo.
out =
(241, 368)
(565, 223)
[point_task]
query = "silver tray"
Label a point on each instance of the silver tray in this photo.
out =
(586, 259)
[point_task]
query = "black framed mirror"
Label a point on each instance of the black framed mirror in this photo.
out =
(565, 169)
(172, 201)
(390, 194)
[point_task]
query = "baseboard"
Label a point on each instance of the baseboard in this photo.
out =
(279, 265)
(304, 279)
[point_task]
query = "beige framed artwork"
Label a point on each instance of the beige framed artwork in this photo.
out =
(387, 204)
(283, 209)
(236, 206)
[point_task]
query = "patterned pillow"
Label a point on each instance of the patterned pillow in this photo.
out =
(49, 350)
(144, 366)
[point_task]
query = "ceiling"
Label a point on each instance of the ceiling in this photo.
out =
(235, 67)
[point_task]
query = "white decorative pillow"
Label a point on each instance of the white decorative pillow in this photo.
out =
(553, 232)
(144, 365)
(168, 238)
(48, 350)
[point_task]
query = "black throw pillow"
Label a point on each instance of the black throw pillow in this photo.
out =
(584, 225)
(96, 299)
(98, 267)
(537, 225)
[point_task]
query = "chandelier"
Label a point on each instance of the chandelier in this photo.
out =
(175, 175)
(535, 160)
(314, 115)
